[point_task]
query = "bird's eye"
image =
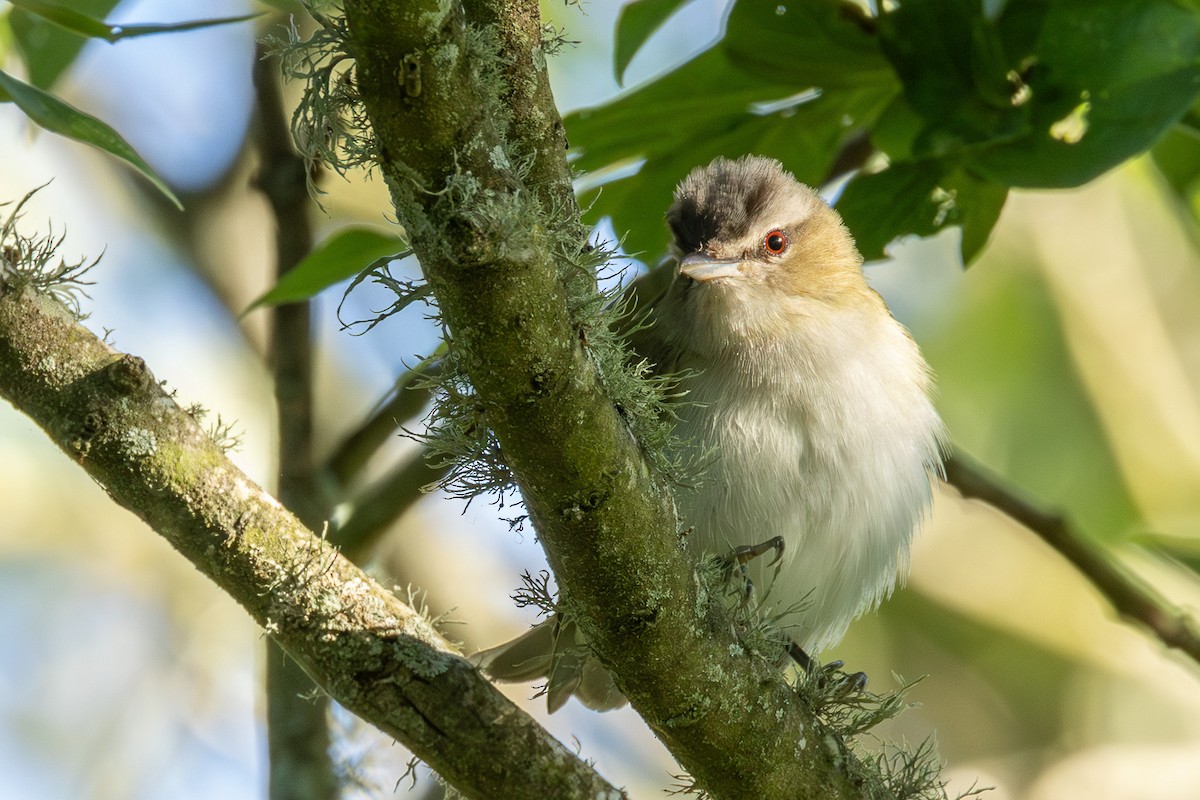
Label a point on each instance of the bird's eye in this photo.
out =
(776, 242)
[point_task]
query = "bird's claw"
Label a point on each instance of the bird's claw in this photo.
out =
(847, 683)
(739, 557)
(829, 675)
(747, 553)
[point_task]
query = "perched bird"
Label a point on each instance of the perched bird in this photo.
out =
(808, 403)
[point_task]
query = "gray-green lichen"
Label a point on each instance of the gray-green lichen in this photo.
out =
(140, 442)
(34, 261)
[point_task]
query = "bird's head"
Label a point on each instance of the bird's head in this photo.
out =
(747, 228)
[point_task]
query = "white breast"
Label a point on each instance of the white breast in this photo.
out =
(826, 437)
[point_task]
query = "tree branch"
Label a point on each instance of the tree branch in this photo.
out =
(300, 765)
(371, 652)
(383, 502)
(407, 399)
(1130, 597)
(498, 255)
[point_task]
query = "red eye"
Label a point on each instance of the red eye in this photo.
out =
(776, 242)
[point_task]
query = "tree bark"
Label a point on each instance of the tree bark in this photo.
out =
(361, 644)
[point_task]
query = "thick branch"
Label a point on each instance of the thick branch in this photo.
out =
(493, 252)
(1130, 597)
(372, 653)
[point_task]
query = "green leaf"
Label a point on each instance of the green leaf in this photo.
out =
(811, 44)
(1050, 94)
(58, 117)
(886, 205)
(77, 22)
(705, 95)
(637, 23)
(920, 198)
(344, 255)
(976, 208)
(1113, 126)
(47, 49)
(957, 76)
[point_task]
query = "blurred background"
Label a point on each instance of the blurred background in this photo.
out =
(1068, 361)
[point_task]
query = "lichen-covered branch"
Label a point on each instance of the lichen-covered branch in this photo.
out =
(371, 652)
(1131, 598)
(499, 254)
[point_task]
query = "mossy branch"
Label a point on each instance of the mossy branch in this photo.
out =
(476, 192)
(366, 648)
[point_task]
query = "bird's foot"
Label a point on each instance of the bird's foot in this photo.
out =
(832, 675)
(737, 560)
(747, 553)
(828, 675)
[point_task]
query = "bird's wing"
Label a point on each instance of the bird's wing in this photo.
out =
(640, 325)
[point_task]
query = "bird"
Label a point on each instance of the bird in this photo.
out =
(809, 406)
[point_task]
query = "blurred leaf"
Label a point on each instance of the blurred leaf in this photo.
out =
(6, 35)
(47, 49)
(119, 32)
(637, 23)
(1009, 391)
(77, 22)
(69, 19)
(823, 44)
(1028, 681)
(348, 253)
(1183, 549)
(1176, 156)
(58, 117)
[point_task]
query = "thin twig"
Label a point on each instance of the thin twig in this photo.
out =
(383, 503)
(300, 765)
(1131, 598)
(408, 397)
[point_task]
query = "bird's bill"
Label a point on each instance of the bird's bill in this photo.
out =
(703, 267)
